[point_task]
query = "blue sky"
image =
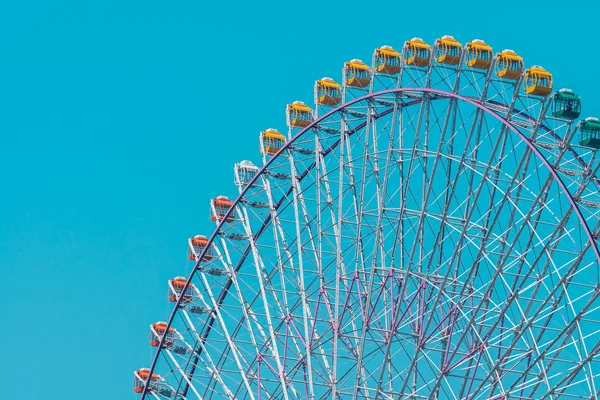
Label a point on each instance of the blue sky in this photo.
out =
(119, 120)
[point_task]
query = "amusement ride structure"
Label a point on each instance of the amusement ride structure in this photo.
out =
(428, 230)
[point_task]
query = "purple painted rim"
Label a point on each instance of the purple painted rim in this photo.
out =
(441, 93)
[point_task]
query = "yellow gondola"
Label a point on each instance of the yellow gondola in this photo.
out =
(538, 81)
(417, 52)
(447, 50)
(509, 65)
(271, 141)
(327, 92)
(357, 73)
(298, 114)
(479, 55)
(387, 60)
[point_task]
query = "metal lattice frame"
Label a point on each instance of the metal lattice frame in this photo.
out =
(432, 237)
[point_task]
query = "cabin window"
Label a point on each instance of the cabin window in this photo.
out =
(531, 80)
(271, 142)
(329, 91)
(517, 65)
(300, 115)
(590, 133)
(246, 175)
(503, 64)
(473, 54)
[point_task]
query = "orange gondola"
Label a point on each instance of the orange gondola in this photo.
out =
(219, 207)
(196, 246)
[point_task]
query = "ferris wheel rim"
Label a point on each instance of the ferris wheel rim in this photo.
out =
(313, 124)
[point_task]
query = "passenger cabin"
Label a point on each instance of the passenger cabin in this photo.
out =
(327, 92)
(140, 377)
(589, 133)
(196, 246)
(157, 331)
(447, 50)
(538, 81)
(219, 207)
(271, 141)
(416, 52)
(509, 65)
(176, 286)
(478, 55)
(357, 73)
(566, 104)
(244, 172)
(298, 115)
(387, 60)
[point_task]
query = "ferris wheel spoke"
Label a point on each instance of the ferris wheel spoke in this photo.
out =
(451, 115)
(334, 242)
(518, 335)
(474, 83)
(563, 335)
(300, 198)
(326, 241)
(329, 308)
(563, 345)
(281, 246)
(472, 130)
(503, 252)
(184, 352)
(337, 219)
(305, 313)
(544, 194)
(568, 277)
(381, 194)
(237, 355)
(377, 394)
(562, 384)
(427, 185)
(559, 226)
(521, 330)
(211, 367)
(218, 305)
(361, 349)
(481, 247)
(201, 344)
(185, 377)
(248, 317)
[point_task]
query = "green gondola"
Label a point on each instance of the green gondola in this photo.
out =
(589, 133)
(566, 104)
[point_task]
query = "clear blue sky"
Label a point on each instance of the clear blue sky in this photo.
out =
(119, 120)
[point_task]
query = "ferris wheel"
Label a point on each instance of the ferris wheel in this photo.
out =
(427, 231)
